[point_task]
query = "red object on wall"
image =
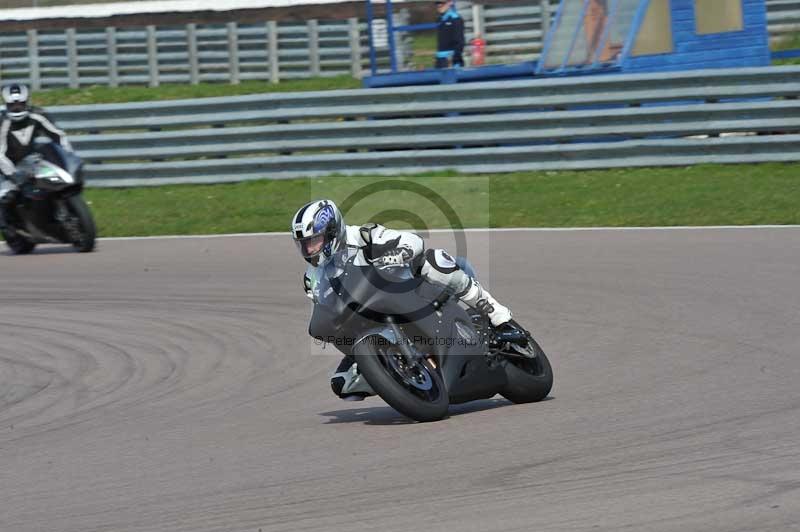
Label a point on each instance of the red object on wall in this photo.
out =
(478, 51)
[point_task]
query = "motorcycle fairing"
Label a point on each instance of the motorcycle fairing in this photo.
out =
(354, 304)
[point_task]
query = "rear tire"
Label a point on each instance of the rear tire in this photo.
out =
(373, 362)
(18, 244)
(77, 206)
(529, 379)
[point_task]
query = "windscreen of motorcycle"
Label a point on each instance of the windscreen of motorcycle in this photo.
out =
(47, 172)
(320, 277)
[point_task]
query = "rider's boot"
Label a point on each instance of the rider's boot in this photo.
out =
(506, 328)
(348, 383)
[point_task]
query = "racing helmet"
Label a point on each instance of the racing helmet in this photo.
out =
(15, 97)
(318, 229)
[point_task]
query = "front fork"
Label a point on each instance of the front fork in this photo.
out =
(68, 221)
(407, 349)
(403, 343)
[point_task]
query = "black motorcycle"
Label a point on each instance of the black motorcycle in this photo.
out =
(417, 347)
(49, 207)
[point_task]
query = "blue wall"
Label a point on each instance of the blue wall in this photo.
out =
(748, 47)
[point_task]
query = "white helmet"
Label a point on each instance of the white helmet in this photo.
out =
(319, 231)
(15, 96)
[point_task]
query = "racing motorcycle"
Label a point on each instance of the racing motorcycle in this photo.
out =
(49, 207)
(417, 347)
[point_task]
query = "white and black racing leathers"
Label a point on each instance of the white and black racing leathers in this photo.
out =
(16, 142)
(377, 244)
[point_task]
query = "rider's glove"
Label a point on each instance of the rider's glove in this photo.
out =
(307, 286)
(394, 257)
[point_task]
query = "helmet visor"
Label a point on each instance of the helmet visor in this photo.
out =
(311, 246)
(17, 107)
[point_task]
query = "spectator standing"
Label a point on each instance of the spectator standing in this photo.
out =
(450, 36)
(595, 28)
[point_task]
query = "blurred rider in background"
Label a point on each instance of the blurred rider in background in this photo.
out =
(319, 231)
(20, 125)
(450, 36)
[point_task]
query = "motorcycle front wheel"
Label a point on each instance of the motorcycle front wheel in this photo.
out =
(83, 233)
(412, 387)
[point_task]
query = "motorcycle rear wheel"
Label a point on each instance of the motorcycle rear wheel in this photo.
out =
(18, 244)
(529, 379)
(401, 385)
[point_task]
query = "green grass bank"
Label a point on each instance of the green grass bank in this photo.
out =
(702, 195)
(100, 94)
(698, 195)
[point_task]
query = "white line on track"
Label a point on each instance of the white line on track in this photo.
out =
(482, 230)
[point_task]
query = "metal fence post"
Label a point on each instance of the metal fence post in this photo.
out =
(72, 59)
(478, 21)
(355, 47)
(545, 17)
(313, 48)
(152, 55)
(33, 58)
(111, 45)
(233, 53)
(191, 48)
(272, 52)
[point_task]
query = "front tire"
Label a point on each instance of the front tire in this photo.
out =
(84, 240)
(402, 387)
(530, 379)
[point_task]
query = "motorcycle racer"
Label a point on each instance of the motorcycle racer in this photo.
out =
(20, 125)
(319, 231)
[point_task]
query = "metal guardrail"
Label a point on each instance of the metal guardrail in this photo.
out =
(237, 51)
(512, 32)
(783, 17)
(747, 115)
(187, 54)
(267, 50)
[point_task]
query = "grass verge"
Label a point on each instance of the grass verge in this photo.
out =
(100, 94)
(698, 195)
(789, 43)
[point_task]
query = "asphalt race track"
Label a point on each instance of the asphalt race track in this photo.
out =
(169, 385)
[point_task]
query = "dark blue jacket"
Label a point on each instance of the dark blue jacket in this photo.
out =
(450, 42)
